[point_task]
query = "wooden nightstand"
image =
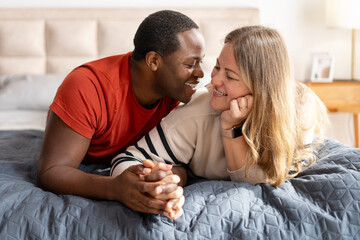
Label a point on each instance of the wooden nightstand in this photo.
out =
(340, 96)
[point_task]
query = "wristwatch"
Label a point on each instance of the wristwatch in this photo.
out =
(233, 132)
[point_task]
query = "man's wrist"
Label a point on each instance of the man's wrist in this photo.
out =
(181, 172)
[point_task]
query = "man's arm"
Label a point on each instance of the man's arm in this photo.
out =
(62, 152)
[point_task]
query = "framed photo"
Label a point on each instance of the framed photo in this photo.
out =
(322, 67)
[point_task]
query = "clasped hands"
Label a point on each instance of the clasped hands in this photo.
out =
(167, 188)
(151, 187)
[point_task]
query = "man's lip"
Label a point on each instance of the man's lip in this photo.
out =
(193, 81)
(191, 84)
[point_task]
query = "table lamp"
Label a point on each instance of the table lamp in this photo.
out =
(345, 14)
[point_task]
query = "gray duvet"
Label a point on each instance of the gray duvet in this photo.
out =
(323, 202)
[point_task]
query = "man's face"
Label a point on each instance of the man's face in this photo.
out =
(179, 72)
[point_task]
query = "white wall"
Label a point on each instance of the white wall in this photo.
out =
(301, 22)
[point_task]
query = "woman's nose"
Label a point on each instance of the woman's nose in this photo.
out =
(215, 79)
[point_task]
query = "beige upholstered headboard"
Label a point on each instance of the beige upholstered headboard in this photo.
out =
(41, 41)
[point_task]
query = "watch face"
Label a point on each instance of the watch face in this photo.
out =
(237, 131)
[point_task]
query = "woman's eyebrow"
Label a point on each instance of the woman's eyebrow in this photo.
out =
(227, 69)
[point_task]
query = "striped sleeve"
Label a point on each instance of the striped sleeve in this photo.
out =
(154, 146)
(120, 163)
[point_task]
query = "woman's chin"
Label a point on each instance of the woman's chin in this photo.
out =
(216, 105)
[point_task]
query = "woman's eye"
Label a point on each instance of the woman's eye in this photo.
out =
(230, 78)
(217, 68)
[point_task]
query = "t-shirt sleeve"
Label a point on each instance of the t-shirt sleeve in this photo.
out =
(77, 102)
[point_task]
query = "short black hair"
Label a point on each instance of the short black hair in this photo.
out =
(158, 33)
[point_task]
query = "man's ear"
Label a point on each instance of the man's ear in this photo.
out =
(153, 60)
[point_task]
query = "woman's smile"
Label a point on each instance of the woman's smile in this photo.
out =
(217, 93)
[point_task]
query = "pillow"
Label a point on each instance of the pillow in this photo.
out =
(28, 92)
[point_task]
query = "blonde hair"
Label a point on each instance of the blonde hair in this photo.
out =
(274, 129)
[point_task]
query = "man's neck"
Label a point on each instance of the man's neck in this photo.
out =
(142, 79)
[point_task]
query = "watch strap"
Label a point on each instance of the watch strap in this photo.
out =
(233, 132)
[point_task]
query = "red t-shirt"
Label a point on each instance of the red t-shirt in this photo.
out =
(97, 100)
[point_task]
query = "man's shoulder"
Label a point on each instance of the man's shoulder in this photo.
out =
(108, 61)
(108, 67)
(112, 71)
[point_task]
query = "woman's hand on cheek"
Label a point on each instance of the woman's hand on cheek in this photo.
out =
(238, 112)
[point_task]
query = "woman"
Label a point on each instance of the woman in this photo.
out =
(261, 126)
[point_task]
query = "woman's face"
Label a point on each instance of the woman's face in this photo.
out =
(226, 80)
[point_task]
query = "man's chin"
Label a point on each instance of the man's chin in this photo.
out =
(187, 98)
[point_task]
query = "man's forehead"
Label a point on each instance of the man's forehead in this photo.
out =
(191, 37)
(195, 57)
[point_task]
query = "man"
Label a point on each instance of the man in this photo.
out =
(104, 106)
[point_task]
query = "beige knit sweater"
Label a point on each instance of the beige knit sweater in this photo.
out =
(188, 135)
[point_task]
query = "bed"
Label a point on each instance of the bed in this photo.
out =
(39, 46)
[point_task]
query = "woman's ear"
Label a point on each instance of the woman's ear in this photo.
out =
(152, 60)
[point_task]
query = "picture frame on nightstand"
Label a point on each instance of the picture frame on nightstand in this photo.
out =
(322, 67)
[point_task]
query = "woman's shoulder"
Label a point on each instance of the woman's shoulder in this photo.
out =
(200, 101)
(198, 108)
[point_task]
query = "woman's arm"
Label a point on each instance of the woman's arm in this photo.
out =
(236, 149)
(170, 142)
(236, 152)
(157, 153)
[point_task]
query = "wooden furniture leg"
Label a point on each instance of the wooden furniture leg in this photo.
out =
(356, 130)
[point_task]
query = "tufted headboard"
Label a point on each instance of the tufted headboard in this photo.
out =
(44, 41)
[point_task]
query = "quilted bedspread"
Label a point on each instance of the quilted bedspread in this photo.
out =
(323, 202)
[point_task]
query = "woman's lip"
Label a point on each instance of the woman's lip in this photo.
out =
(218, 93)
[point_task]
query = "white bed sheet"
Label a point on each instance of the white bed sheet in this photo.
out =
(23, 119)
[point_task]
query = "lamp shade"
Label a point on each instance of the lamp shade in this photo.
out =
(343, 13)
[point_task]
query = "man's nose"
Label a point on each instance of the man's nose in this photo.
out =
(198, 71)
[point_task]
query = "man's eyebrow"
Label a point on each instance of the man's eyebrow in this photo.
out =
(195, 57)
